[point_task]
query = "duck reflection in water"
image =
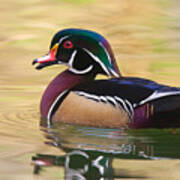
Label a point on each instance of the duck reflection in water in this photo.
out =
(90, 152)
(78, 165)
(82, 165)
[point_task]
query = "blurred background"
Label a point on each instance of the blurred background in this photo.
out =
(145, 37)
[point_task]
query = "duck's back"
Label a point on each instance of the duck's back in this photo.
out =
(136, 90)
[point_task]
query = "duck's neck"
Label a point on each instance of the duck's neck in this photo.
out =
(59, 84)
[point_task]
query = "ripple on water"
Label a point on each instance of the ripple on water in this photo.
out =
(20, 126)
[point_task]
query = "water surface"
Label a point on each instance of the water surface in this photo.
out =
(145, 37)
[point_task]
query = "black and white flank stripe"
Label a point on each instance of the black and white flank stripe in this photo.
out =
(115, 101)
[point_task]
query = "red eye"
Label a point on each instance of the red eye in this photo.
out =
(68, 44)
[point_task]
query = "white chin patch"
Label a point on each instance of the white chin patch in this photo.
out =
(72, 69)
(81, 71)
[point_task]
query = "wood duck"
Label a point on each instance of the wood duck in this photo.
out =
(76, 97)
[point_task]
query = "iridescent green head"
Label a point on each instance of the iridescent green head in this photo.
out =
(82, 51)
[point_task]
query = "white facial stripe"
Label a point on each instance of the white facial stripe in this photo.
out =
(52, 107)
(114, 73)
(105, 52)
(65, 37)
(70, 63)
(98, 61)
(109, 58)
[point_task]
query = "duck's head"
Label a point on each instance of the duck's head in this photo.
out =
(82, 51)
